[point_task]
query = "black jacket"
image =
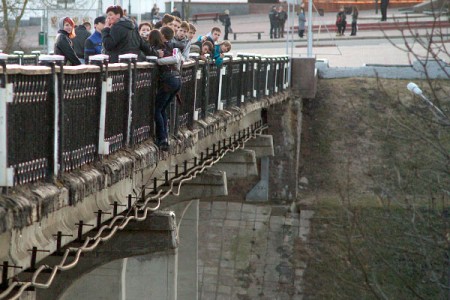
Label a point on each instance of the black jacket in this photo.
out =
(78, 41)
(123, 38)
(64, 46)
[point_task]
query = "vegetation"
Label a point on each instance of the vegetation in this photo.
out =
(378, 161)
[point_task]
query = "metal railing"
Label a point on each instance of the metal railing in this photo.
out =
(55, 118)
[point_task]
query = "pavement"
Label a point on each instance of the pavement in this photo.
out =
(248, 251)
(369, 46)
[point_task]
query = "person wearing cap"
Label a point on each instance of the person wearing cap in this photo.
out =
(63, 44)
(227, 23)
(93, 44)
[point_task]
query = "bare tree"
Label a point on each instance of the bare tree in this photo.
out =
(12, 11)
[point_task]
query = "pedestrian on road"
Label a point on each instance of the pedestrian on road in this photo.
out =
(227, 23)
(341, 22)
(64, 44)
(301, 22)
(93, 45)
(354, 20)
(282, 17)
(273, 18)
(384, 5)
(175, 12)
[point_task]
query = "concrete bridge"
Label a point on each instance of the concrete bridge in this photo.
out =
(84, 186)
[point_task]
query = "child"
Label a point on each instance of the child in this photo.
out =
(182, 41)
(192, 31)
(219, 50)
(207, 48)
(213, 36)
(170, 85)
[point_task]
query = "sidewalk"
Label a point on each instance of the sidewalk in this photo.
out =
(368, 21)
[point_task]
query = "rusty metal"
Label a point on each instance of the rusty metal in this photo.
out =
(59, 236)
(4, 284)
(34, 252)
(80, 230)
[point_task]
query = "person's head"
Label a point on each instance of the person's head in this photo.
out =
(192, 31)
(225, 46)
(215, 33)
(167, 33)
(144, 29)
(207, 47)
(155, 38)
(167, 20)
(274, 7)
(175, 8)
(227, 12)
(341, 9)
(176, 24)
(67, 24)
(99, 23)
(183, 30)
(114, 13)
(280, 8)
(355, 9)
(87, 25)
(125, 12)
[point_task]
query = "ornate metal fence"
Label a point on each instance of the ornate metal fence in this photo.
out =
(56, 119)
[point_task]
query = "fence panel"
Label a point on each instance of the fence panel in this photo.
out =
(187, 107)
(236, 82)
(142, 126)
(117, 110)
(30, 127)
(80, 107)
(213, 88)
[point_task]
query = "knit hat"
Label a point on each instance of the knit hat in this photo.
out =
(227, 12)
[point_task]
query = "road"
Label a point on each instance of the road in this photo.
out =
(345, 52)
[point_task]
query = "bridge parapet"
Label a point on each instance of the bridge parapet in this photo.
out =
(80, 183)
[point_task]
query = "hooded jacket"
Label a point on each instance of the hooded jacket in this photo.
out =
(64, 46)
(78, 41)
(123, 38)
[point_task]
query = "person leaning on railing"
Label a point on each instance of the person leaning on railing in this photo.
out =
(120, 36)
(169, 85)
(63, 44)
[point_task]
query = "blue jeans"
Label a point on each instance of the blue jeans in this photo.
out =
(169, 87)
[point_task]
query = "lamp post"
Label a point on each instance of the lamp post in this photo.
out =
(439, 114)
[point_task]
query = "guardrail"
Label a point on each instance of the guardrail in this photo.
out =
(56, 118)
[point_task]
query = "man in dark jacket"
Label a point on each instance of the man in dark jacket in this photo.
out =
(282, 17)
(93, 44)
(273, 17)
(81, 35)
(120, 36)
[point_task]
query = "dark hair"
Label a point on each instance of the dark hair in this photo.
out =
(167, 19)
(100, 19)
(214, 29)
(167, 32)
(115, 9)
(145, 24)
(209, 44)
(155, 39)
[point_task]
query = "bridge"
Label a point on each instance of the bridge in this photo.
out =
(83, 183)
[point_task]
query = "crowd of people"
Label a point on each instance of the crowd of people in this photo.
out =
(170, 40)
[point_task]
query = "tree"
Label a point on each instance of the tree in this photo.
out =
(13, 10)
(386, 235)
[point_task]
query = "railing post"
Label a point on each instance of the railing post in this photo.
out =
(101, 60)
(6, 96)
(129, 59)
(277, 67)
(51, 61)
(222, 72)
(266, 89)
